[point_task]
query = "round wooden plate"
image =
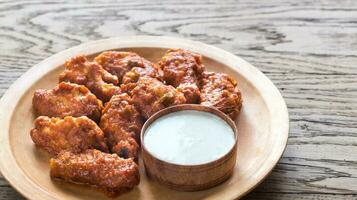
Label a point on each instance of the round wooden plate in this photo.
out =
(263, 124)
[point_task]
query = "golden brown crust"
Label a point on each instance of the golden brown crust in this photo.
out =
(127, 66)
(220, 91)
(126, 148)
(121, 123)
(79, 144)
(67, 99)
(69, 134)
(135, 73)
(182, 69)
(81, 71)
(151, 95)
(108, 172)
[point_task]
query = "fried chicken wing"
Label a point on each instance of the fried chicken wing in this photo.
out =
(126, 148)
(69, 134)
(135, 73)
(67, 99)
(127, 66)
(83, 72)
(121, 123)
(182, 69)
(220, 91)
(108, 172)
(150, 95)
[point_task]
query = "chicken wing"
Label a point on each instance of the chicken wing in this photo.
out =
(182, 69)
(69, 134)
(150, 95)
(121, 123)
(110, 173)
(127, 66)
(83, 72)
(67, 99)
(220, 91)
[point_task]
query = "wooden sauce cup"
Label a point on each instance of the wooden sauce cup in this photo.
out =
(189, 177)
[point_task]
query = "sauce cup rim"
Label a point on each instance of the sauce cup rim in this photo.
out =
(196, 107)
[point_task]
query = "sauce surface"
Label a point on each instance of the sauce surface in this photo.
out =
(189, 137)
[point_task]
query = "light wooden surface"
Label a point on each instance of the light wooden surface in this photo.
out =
(307, 48)
(262, 124)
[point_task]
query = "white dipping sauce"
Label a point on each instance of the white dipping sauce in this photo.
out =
(189, 137)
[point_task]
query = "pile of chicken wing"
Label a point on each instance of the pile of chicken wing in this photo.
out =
(98, 145)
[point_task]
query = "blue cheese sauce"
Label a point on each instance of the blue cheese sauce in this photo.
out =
(189, 137)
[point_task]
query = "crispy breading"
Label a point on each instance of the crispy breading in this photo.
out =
(135, 73)
(150, 95)
(126, 148)
(220, 91)
(182, 69)
(100, 82)
(67, 99)
(127, 66)
(121, 123)
(69, 134)
(110, 173)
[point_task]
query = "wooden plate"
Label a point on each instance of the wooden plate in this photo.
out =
(262, 125)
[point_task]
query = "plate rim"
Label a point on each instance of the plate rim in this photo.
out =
(14, 93)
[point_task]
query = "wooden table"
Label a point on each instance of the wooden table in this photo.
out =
(307, 48)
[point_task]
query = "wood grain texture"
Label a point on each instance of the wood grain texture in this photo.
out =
(307, 48)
